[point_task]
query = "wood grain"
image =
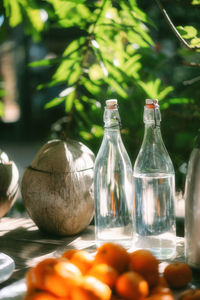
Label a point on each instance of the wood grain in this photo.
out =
(26, 244)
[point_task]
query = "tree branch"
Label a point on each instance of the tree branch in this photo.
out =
(191, 81)
(173, 28)
(191, 64)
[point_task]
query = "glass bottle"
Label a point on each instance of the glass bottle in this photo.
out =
(154, 190)
(113, 184)
(192, 208)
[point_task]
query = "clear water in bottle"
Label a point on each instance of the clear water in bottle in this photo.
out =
(113, 190)
(155, 224)
(113, 184)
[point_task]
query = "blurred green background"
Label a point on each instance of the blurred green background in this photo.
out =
(61, 59)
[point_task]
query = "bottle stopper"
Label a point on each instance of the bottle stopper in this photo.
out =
(151, 103)
(111, 103)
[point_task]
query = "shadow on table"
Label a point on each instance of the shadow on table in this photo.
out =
(27, 245)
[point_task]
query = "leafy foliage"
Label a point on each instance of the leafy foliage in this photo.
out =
(190, 33)
(103, 61)
(27, 11)
(112, 55)
(196, 2)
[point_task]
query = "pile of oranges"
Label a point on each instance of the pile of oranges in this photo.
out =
(112, 274)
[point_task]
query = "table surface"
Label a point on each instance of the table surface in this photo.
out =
(26, 245)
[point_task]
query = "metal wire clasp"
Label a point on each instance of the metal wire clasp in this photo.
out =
(155, 105)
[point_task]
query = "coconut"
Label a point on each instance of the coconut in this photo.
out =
(57, 188)
(9, 187)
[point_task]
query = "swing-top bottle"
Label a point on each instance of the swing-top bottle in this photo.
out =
(113, 189)
(154, 190)
(192, 207)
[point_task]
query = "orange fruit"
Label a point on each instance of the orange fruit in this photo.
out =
(161, 291)
(162, 281)
(161, 297)
(114, 255)
(146, 264)
(161, 287)
(91, 289)
(40, 295)
(177, 274)
(190, 294)
(132, 286)
(105, 273)
(57, 276)
(83, 260)
(69, 253)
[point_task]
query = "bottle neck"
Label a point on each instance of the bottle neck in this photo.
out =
(152, 115)
(152, 119)
(153, 157)
(112, 120)
(152, 134)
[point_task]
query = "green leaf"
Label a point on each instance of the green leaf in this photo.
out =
(133, 3)
(76, 1)
(66, 95)
(136, 40)
(74, 74)
(148, 89)
(132, 66)
(66, 23)
(187, 32)
(74, 46)
(126, 15)
(69, 100)
(83, 11)
(79, 106)
(95, 72)
(97, 131)
(2, 92)
(13, 12)
(35, 18)
(151, 88)
(132, 69)
(92, 87)
(142, 30)
(62, 8)
(116, 86)
(172, 101)
(195, 42)
(132, 60)
(64, 70)
(71, 13)
(2, 111)
(140, 15)
(44, 62)
(165, 92)
(114, 71)
(85, 135)
(54, 102)
(196, 2)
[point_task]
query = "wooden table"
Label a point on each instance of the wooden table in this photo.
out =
(26, 245)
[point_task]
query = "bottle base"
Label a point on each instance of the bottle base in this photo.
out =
(127, 244)
(162, 247)
(116, 235)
